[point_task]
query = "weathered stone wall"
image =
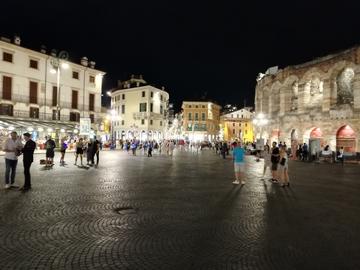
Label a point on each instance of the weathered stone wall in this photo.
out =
(324, 94)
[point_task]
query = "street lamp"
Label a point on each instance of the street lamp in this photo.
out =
(260, 121)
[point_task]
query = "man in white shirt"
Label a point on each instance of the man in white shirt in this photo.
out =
(12, 148)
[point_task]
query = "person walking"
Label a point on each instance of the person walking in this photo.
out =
(12, 148)
(133, 147)
(283, 168)
(239, 163)
(28, 158)
(224, 150)
(50, 151)
(267, 160)
(79, 151)
(275, 157)
(150, 147)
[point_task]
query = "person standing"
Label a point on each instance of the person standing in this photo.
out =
(224, 150)
(50, 151)
(239, 163)
(63, 148)
(79, 151)
(150, 147)
(267, 160)
(283, 168)
(95, 151)
(275, 157)
(28, 158)
(12, 148)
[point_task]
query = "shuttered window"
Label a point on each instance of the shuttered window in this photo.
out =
(74, 99)
(8, 57)
(7, 86)
(33, 92)
(54, 96)
(91, 102)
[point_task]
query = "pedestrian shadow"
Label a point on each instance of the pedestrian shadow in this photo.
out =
(83, 167)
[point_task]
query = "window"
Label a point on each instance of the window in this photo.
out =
(74, 117)
(233, 131)
(33, 92)
(75, 75)
(233, 124)
(203, 106)
(160, 123)
(143, 93)
(196, 106)
(34, 64)
(189, 106)
(237, 116)
(161, 97)
(123, 96)
(74, 99)
(92, 118)
(196, 116)
(245, 124)
(122, 109)
(239, 124)
(245, 131)
(91, 79)
(8, 57)
(7, 87)
(143, 107)
(151, 121)
(34, 112)
(203, 116)
(151, 94)
(232, 116)
(6, 109)
(54, 96)
(91, 102)
(242, 116)
(142, 121)
(122, 122)
(161, 109)
(189, 116)
(151, 107)
(54, 114)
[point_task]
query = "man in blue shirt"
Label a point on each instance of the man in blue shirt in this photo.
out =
(239, 163)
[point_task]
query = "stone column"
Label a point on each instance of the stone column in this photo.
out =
(301, 98)
(282, 101)
(356, 91)
(326, 96)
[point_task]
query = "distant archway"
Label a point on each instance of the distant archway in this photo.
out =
(346, 138)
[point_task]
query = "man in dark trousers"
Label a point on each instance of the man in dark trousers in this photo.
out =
(28, 158)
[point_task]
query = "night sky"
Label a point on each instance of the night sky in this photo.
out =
(194, 49)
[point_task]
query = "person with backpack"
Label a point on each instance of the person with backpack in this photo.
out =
(63, 148)
(50, 151)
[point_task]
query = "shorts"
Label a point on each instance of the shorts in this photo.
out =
(50, 153)
(274, 166)
(79, 151)
(239, 167)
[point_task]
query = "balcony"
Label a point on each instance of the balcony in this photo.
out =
(148, 115)
(48, 102)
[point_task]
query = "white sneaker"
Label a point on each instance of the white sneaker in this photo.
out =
(7, 186)
(14, 186)
(243, 182)
(236, 182)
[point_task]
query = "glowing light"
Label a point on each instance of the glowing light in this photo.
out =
(65, 65)
(30, 129)
(108, 93)
(76, 131)
(11, 128)
(53, 71)
(62, 130)
(40, 129)
(49, 129)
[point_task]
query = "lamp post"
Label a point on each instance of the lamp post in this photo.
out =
(260, 121)
(58, 62)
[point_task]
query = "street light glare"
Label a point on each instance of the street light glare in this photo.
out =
(53, 71)
(108, 93)
(65, 65)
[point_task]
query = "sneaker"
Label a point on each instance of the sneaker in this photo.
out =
(24, 188)
(243, 182)
(236, 182)
(7, 186)
(14, 185)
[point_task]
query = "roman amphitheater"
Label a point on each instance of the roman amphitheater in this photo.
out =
(317, 102)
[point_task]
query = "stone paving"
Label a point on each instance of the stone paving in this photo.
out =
(180, 212)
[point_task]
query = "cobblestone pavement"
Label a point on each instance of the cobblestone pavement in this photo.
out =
(181, 213)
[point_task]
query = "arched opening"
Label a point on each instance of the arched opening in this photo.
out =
(315, 142)
(123, 134)
(346, 138)
(150, 136)
(143, 136)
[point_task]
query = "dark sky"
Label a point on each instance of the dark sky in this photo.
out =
(191, 48)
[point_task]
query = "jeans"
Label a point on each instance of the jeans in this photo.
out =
(10, 166)
(27, 183)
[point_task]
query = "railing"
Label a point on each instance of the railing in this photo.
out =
(43, 116)
(148, 115)
(49, 102)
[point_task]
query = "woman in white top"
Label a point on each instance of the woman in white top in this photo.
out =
(283, 168)
(267, 159)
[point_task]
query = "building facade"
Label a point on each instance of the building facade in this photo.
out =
(201, 120)
(316, 102)
(44, 94)
(238, 125)
(139, 111)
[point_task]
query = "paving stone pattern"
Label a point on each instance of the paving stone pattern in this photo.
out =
(180, 213)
